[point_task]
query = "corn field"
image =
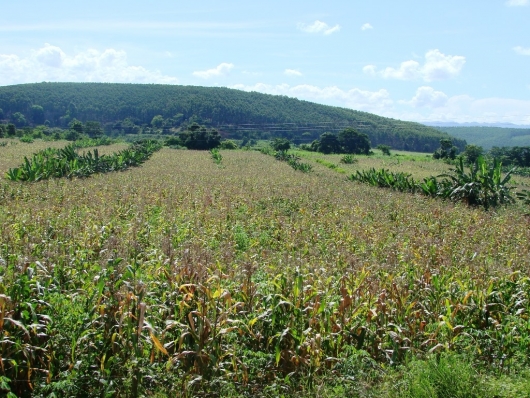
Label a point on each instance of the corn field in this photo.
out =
(184, 278)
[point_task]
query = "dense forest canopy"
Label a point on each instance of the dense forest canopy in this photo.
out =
(489, 137)
(124, 108)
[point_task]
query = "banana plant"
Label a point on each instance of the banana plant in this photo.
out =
(482, 186)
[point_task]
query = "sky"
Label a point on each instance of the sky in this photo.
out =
(450, 61)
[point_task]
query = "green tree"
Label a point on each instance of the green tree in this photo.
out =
(472, 153)
(1, 113)
(384, 148)
(281, 144)
(327, 143)
(198, 137)
(18, 119)
(77, 126)
(71, 135)
(2, 131)
(351, 141)
(37, 114)
(447, 150)
(11, 130)
(93, 129)
(157, 122)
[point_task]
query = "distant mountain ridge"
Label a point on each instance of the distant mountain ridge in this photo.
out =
(489, 137)
(476, 124)
(235, 113)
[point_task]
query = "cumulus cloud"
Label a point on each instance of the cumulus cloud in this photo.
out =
(522, 50)
(370, 70)
(437, 66)
(431, 105)
(366, 26)
(369, 101)
(516, 3)
(221, 70)
(427, 104)
(292, 72)
(51, 63)
(428, 97)
(318, 27)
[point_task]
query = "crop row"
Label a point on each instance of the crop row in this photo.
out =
(483, 185)
(67, 162)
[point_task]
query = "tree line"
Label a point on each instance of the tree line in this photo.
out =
(136, 108)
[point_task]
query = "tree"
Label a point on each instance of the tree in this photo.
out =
(76, 126)
(447, 150)
(93, 129)
(2, 131)
(327, 143)
(1, 113)
(384, 148)
(198, 137)
(37, 114)
(157, 122)
(19, 120)
(11, 130)
(351, 141)
(472, 153)
(281, 144)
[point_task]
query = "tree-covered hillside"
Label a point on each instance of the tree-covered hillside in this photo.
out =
(489, 137)
(122, 107)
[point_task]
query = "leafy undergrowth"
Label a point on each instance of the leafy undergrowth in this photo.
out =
(482, 186)
(182, 278)
(67, 162)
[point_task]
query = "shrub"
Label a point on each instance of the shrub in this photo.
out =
(447, 375)
(281, 144)
(228, 144)
(385, 149)
(348, 159)
(27, 139)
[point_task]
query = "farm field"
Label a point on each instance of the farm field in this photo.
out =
(184, 277)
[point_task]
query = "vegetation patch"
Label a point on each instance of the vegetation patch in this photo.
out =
(67, 162)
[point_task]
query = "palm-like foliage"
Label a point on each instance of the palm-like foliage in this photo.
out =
(483, 185)
(66, 162)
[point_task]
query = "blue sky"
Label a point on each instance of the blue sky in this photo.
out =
(456, 60)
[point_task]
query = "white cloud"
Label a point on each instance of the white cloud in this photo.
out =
(370, 70)
(221, 70)
(426, 105)
(430, 105)
(428, 97)
(515, 3)
(369, 101)
(51, 63)
(318, 27)
(437, 66)
(292, 72)
(522, 50)
(366, 26)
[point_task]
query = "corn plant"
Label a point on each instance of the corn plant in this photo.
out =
(216, 156)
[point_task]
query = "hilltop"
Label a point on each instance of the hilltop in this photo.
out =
(122, 107)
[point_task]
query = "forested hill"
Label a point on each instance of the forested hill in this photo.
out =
(489, 137)
(235, 113)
